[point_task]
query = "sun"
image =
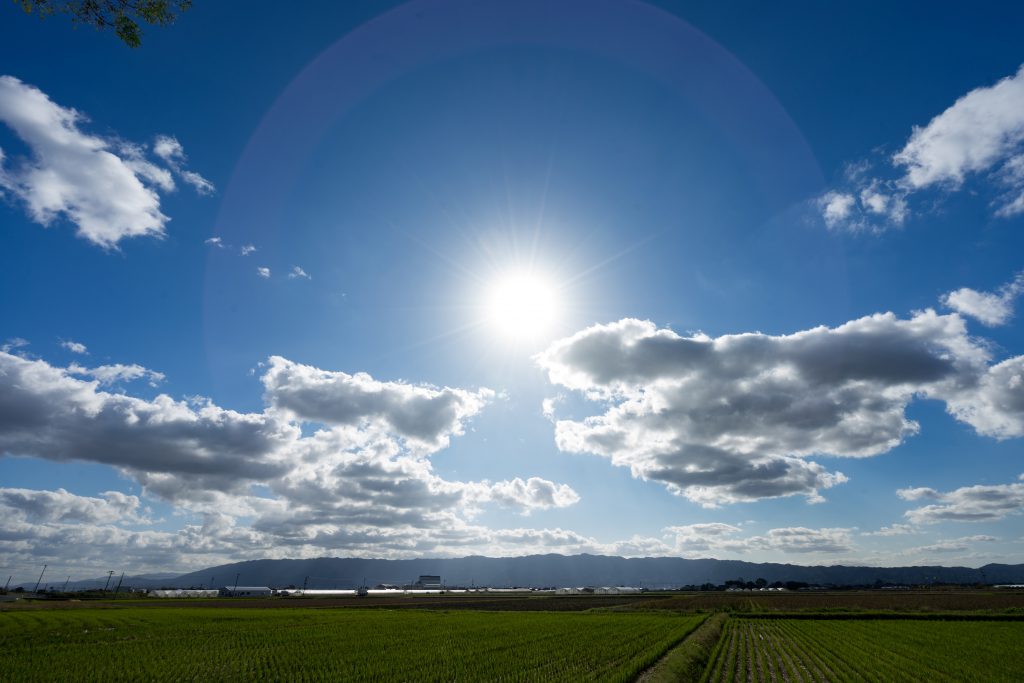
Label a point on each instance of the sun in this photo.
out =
(521, 305)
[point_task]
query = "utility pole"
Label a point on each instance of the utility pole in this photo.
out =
(40, 579)
(118, 584)
(65, 589)
(110, 575)
(236, 582)
(304, 582)
(8, 582)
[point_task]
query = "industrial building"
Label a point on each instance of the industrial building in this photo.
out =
(246, 591)
(428, 581)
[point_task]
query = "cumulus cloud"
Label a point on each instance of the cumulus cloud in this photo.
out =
(247, 249)
(981, 134)
(214, 242)
(994, 403)
(299, 273)
(47, 412)
(534, 493)
(980, 131)
(865, 204)
(738, 417)
(980, 503)
(74, 347)
(263, 272)
(106, 187)
(61, 506)
(334, 463)
(988, 308)
(425, 416)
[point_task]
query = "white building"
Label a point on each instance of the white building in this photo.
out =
(183, 593)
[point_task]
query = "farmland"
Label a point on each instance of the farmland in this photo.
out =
(958, 600)
(317, 644)
(880, 650)
(925, 635)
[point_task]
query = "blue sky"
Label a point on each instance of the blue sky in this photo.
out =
(448, 278)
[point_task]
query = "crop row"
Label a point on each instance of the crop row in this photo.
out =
(839, 650)
(303, 644)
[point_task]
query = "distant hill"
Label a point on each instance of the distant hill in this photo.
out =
(574, 570)
(539, 571)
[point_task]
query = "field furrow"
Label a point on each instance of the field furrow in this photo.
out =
(869, 650)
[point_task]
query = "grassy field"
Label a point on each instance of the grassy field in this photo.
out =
(941, 635)
(867, 650)
(975, 600)
(174, 644)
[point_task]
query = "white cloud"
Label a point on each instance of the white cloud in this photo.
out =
(980, 503)
(738, 417)
(994, 404)
(534, 493)
(47, 412)
(425, 416)
(953, 545)
(836, 207)
(548, 406)
(214, 242)
(106, 187)
(108, 375)
(989, 308)
(335, 463)
(263, 272)
(717, 537)
(247, 249)
(980, 131)
(892, 530)
(61, 506)
(198, 182)
(865, 204)
(74, 347)
(804, 540)
(13, 343)
(298, 273)
(706, 537)
(170, 150)
(981, 134)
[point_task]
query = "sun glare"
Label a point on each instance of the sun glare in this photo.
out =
(521, 305)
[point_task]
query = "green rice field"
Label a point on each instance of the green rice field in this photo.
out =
(176, 644)
(634, 641)
(868, 650)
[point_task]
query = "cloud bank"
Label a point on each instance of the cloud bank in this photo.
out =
(335, 463)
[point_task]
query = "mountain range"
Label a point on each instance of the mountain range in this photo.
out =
(539, 571)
